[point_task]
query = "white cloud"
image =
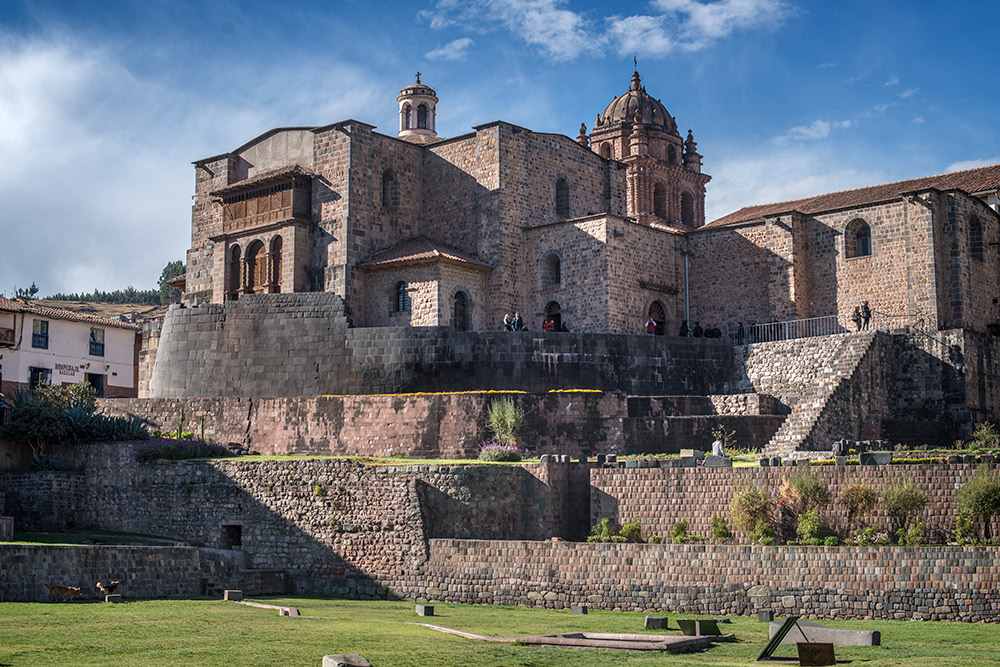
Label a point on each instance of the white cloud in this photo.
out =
(98, 180)
(972, 164)
(818, 129)
(826, 65)
(919, 120)
(908, 93)
(641, 35)
(453, 50)
(893, 81)
(565, 34)
(780, 175)
(882, 108)
(545, 24)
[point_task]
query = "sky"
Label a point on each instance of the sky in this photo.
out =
(103, 106)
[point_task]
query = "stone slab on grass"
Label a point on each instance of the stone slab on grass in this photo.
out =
(822, 634)
(232, 595)
(816, 654)
(425, 610)
(655, 623)
(345, 660)
(113, 598)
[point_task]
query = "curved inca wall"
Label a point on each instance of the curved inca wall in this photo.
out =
(274, 345)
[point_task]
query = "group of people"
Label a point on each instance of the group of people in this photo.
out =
(697, 331)
(862, 316)
(513, 322)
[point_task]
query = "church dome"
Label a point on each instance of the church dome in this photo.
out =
(651, 110)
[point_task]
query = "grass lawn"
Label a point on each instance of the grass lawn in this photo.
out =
(205, 632)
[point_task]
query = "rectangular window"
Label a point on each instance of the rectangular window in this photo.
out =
(39, 376)
(40, 334)
(96, 342)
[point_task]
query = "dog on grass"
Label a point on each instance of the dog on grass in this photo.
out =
(61, 593)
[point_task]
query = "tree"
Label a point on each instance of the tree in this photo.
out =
(26, 292)
(170, 294)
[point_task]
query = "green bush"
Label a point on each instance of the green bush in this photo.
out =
(986, 436)
(978, 504)
(180, 450)
(679, 534)
(750, 507)
(903, 503)
(720, 529)
(497, 451)
(602, 531)
(505, 419)
(762, 533)
(912, 535)
(859, 499)
(869, 537)
(831, 541)
(631, 531)
(809, 527)
(802, 492)
(65, 414)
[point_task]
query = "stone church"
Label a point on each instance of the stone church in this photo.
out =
(598, 234)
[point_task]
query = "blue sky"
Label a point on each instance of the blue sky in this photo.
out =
(103, 106)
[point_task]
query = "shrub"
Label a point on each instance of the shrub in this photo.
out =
(720, 529)
(762, 533)
(859, 499)
(631, 531)
(912, 535)
(505, 419)
(499, 451)
(803, 492)
(180, 450)
(749, 508)
(810, 527)
(903, 503)
(831, 541)
(601, 532)
(679, 534)
(986, 436)
(978, 504)
(65, 413)
(868, 537)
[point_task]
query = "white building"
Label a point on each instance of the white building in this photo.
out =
(42, 345)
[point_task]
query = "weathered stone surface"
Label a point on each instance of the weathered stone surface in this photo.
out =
(232, 595)
(836, 636)
(655, 623)
(425, 610)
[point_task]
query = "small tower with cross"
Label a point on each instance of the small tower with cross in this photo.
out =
(418, 113)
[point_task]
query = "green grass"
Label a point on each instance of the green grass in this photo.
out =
(219, 633)
(373, 460)
(76, 538)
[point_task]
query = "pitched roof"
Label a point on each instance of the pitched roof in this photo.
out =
(266, 176)
(421, 250)
(972, 181)
(30, 307)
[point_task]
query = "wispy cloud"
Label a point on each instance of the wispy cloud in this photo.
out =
(818, 129)
(565, 34)
(908, 93)
(972, 164)
(454, 50)
(826, 65)
(892, 81)
(919, 120)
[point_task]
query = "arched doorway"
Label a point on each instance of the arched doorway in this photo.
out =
(659, 316)
(235, 267)
(275, 283)
(460, 312)
(256, 267)
(553, 317)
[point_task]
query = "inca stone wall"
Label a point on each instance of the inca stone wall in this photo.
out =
(930, 583)
(300, 345)
(660, 497)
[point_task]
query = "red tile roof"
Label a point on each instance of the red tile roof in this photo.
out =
(420, 250)
(21, 306)
(972, 181)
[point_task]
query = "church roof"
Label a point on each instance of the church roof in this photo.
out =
(971, 181)
(421, 250)
(624, 107)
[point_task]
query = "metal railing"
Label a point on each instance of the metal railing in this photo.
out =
(786, 330)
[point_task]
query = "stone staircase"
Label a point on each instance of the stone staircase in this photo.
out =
(825, 382)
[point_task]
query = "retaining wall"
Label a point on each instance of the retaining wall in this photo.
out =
(939, 583)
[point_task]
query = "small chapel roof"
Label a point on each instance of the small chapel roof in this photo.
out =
(421, 250)
(972, 181)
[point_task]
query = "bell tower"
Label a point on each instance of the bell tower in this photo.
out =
(418, 113)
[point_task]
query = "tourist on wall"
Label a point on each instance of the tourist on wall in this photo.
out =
(857, 318)
(651, 326)
(866, 315)
(740, 333)
(517, 324)
(507, 319)
(684, 332)
(698, 331)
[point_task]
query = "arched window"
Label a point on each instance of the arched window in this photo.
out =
(460, 312)
(687, 209)
(659, 316)
(402, 298)
(551, 270)
(390, 190)
(553, 314)
(562, 197)
(660, 200)
(606, 150)
(276, 245)
(256, 267)
(857, 239)
(407, 117)
(671, 154)
(235, 271)
(422, 117)
(975, 238)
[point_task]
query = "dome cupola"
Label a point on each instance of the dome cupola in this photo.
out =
(418, 113)
(636, 105)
